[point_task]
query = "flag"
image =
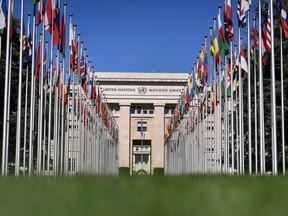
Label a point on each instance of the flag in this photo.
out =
(200, 75)
(29, 43)
(212, 99)
(91, 88)
(99, 101)
(223, 44)
(3, 15)
(48, 17)
(192, 84)
(216, 50)
(228, 19)
(56, 24)
(283, 18)
(34, 1)
(72, 46)
(82, 67)
(40, 12)
(62, 35)
(264, 46)
(187, 95)
(242, 8)
(243, 61)
(268, 34)
(38, 63)
(255, 37)
(24, 39)
(212, 49)
(206, 65)
(75, 69)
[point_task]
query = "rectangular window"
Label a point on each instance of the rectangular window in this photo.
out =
(141, 158)
(139, 110)
(132, 110)
(144, 125)
(166, 110)
(151, 111)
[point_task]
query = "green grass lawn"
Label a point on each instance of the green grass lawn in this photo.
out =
(158, 195)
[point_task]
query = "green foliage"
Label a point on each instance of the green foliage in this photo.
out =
(267, 95)
(14, 86)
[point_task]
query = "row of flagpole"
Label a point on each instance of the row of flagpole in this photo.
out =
(63, 133)
(182, 151)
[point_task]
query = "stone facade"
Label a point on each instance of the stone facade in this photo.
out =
(141, 101)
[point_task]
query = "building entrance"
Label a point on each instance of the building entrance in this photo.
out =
(141, 164)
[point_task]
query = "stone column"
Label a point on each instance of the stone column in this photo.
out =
(157, 145)
(124, 135)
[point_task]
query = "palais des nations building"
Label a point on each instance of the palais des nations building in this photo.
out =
(146, 99)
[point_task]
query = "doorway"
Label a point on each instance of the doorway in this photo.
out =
(141, 159)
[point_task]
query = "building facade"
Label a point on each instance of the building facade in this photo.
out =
(142, 104)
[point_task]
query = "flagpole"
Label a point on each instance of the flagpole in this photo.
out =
(282, 104)
(45, 110)
(249, 96)
(76, 108)
(62, 136)
(5, 113)
(210, 116)
(67, 140)
(32, 97)
(18, 129)
(73, 114)
(8, 106)
(225, 118)
(237, 131)
(25, 118)
(261, 105)
(232, 105)
(274, 126)
(55, 126)
(50, 99)
(215, 112)
(255, 104)
(62, 95)
(240, 104)
(40, 105)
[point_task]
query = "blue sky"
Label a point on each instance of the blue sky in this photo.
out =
(145, 36)
(142, 35)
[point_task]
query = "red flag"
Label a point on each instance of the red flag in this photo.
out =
(284, 18)
(228, 18)
(72, 47)
(40, 12)
(255, 37)
(62, 35)
(48, 17)
(38, 63)
(268, 34)
(56, 23)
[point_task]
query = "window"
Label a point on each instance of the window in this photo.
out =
(144, 125)
(139, 110)
(141, 157)
(151, 111)
(166, 110)
(172, 110)
(132, 110)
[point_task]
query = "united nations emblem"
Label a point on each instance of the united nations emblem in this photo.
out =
(142, 90)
